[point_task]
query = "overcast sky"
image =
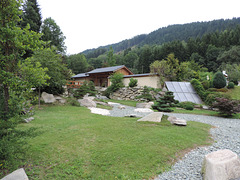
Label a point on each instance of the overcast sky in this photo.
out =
(92, 23)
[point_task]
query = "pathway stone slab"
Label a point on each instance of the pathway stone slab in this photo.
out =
(153, 117)
(16, 175)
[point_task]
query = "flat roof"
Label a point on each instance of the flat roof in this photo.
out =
(139, 75)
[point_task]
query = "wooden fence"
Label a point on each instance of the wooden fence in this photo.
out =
(74, 84)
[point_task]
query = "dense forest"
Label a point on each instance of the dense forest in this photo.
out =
(209, 44)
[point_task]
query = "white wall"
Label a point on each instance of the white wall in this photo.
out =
(151, 81)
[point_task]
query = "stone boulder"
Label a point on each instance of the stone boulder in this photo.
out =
(144, 105)
(87, 102)
(48, 98)
(60, 99)
(221, 165)
(153, 117)
(177, 121)
(28, 119)
(16, 175)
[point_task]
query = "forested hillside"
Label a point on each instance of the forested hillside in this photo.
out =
(170, 33)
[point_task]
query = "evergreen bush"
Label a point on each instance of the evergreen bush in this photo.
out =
(199, 89)
(230, 85)
(133, 82)
(87, 87)
(116, 80)
(219, 80)
(146, 94)
(164, 103)
(187, 105)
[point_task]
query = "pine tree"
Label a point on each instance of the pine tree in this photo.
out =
(31, 15)
(164, 103)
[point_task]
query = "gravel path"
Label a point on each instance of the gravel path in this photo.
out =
(226, 136)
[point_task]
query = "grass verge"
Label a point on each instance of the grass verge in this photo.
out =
(75, 144)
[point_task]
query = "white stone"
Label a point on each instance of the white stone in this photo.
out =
(29, 119)
(153, 117)
(221, 165)
(121, 107)
(99, 111)
(177, 121)
(48, 98)
(87, 102)
(143, 110)
(16, 175)
(144, 105)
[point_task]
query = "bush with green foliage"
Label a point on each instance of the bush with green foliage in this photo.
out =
(199, 89)
(73, 101)
(133, 82)
(227, 107)
(206, 84)
(230, 85)
(187, 105)
(146, 94)
(87, 87)
(13, 143)
(219, 80)
(116, 83)
(211, 98)
(164, 103)
(222, 90)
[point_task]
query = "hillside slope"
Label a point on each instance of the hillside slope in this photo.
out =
(180, 32)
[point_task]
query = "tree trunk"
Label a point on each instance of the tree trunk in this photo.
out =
(6, 98)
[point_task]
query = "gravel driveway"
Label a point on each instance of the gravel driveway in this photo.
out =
(226, 136)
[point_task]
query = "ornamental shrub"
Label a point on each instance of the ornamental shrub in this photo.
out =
(164, 103)
(227, 107)
(116, 80)
(219, 80)
(230, 85)
(187, 105)
(146, 94)
(199, 89)
(87, 87)
(133, 82)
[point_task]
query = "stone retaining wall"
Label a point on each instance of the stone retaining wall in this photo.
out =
(128, 93)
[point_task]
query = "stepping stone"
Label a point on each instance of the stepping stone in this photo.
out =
(177, 121)
(16, 175)
(221, 165)
(153, 117)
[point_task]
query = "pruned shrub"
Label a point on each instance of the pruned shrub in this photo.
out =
(164, 103)
(219, 80)
(212, 89)
(211, 98)
(87, 87)
(222, 90)
(187, 105)
(227, 107)
(206, 84)
(133, 82)
(116, 80)
(199, 89)
(146, 94)
(230, 85)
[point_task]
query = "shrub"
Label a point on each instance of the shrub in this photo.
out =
(230, 85)
(87, 87)
(212, 89)
(219, 80)
(164, 103)
(222, 90)
(116, 80)
(211, 98)
(133, 82)
(187, 105)
(199, 89)
(146, 94)
(226, 106)
(72, 101)
(206, 84)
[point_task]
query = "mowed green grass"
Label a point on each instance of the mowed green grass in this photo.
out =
(72, 143)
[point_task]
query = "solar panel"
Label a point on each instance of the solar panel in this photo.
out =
(183, 91)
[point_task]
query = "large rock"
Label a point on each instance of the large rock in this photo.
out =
(221, 165)
(144, 105)
(153, 117)
(87, 102)
(60, 99)
(177, 121)
(16, 175)
(48, 98)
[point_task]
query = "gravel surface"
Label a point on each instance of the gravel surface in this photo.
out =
(226, 136)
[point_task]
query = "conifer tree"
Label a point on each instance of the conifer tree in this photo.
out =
(31, 15)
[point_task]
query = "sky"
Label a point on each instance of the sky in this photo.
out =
(88, 24)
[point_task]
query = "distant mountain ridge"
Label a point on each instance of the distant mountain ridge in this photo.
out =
(180, 32)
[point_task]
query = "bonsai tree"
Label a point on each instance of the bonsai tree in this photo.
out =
(164, 103)
(219, 80)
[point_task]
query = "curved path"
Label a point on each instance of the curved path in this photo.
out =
(226, 136)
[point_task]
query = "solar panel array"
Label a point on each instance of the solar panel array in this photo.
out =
(183, 91)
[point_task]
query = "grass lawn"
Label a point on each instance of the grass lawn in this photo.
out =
(234, 93)
(74, 144)
(195, 111)
(124, 102)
